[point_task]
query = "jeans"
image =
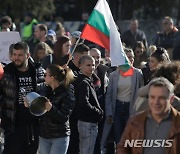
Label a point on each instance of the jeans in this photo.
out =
(87, 135)
(120, 119)
(53, 146)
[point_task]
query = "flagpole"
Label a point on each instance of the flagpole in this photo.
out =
(73, 50)
(75, 45)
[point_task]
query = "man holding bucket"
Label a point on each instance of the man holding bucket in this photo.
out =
(20, 126)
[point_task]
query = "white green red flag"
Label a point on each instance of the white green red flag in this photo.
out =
(102, 30)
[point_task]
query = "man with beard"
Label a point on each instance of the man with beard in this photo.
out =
(20, 127)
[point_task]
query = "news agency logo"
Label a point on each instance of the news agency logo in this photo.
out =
(148, 143)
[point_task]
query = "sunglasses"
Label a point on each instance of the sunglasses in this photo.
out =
(45, 74)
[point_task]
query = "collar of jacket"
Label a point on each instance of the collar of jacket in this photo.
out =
(59, 89)
(12, 69)
(139, 123)
(175, 129)
(82, 76)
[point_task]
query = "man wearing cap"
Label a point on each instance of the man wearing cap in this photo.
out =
(74, 37)
(51, 35)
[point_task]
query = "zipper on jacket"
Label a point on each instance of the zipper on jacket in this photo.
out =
(16, 80)
(28, 136)
(32, 131)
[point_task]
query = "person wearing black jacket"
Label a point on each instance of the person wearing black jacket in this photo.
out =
(81, 49)
(167, 38)
(87, 106)
(134, 34)
(20, 127)
(100, 88)
(54, 124)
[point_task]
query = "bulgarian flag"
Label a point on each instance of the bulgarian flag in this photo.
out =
(102, 30)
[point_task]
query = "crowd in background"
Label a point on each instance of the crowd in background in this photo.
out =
(88, 101)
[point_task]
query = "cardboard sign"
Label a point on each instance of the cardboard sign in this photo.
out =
(6, 39)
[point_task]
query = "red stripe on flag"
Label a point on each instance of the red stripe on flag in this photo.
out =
(130, 72)
(92, 34)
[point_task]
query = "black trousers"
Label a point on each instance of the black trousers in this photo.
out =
(74, 137)
(24, 140)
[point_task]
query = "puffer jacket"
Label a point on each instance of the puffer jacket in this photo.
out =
(9, 87)
(55, 123)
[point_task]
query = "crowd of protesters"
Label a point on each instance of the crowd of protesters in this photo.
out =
(92, 107)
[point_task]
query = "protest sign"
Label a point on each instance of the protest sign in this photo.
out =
(6, 39)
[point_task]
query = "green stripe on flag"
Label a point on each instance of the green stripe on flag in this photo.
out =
(126, 66)
(97, 20)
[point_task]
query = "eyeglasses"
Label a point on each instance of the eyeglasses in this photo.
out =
(165, 23)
